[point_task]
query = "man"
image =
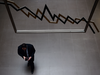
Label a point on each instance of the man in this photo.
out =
(26, 51)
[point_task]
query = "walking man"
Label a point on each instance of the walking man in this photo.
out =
(27, 51)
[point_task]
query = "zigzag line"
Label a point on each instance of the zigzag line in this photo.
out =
(44, 15)
(52, 16)
(45, 8)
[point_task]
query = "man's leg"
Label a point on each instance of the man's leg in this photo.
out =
(31, 64)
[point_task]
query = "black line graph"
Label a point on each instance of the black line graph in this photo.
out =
(68, 18)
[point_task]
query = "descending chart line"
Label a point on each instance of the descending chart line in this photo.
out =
(30, 13)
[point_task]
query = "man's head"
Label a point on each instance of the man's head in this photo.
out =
(24, 46)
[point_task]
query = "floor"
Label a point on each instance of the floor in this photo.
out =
(56, 53)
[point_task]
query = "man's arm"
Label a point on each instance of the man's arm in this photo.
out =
(33, 50)
(20, 52)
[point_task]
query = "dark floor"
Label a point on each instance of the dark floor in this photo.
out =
(56, 53)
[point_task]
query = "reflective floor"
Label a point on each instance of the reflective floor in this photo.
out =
(56, 53)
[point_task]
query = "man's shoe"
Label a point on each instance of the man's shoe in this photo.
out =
(31, 72)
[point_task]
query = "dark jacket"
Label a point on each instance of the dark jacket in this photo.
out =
(31, 50)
